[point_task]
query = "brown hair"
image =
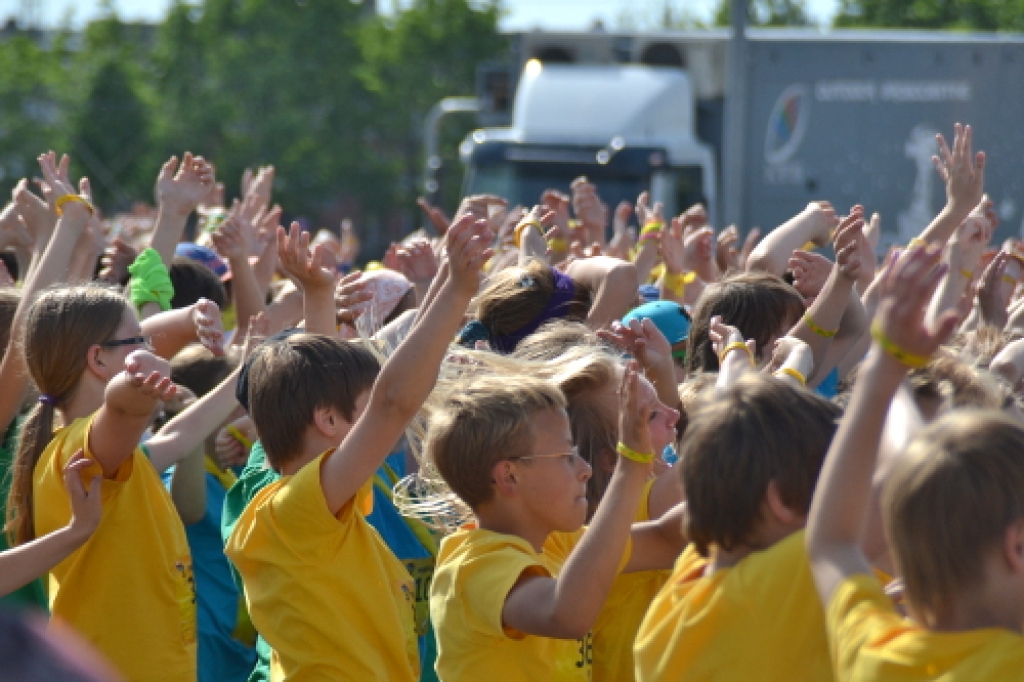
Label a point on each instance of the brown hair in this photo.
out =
(948, 501)
(60, 328)
(756, 303)
(199, 370)
(950, 377)
(515, 297)
(480, 423)
(290, 379)
(756, 431)
(555, 338)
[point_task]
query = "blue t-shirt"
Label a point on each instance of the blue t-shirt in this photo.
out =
(829, 387)
(222, 657)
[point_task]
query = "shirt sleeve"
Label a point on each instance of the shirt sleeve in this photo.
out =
(300, 510)
(485, 582)
(858, 613)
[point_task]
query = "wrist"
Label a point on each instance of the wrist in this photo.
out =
(176, 207)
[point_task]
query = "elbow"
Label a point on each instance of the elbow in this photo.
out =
(759, 261)
(570, 625)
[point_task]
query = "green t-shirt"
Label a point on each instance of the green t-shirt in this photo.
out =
(32, 595)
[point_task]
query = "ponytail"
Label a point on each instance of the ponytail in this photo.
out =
(35, 436)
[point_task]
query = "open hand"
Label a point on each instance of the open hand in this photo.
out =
(183, 186)
(961, 170)
(313, 270)
(469, 247)
(86, 501)
(150, 375)
(209, 330)
(634, 414)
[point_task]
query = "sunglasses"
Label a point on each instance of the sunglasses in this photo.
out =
(146, 341)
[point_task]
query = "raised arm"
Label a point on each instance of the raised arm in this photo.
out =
(175, 329)
(614, 283)
(315, 271)
(962, 254)
(52, 267)
(179, 189)
(229, 240)
(814, 224)
(129, 402)
(410, 373)
(836, 526)
(567, 606)
(963, 172)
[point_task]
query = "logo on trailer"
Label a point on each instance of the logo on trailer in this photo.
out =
(787, 124)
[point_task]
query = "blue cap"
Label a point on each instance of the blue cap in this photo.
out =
(649, 292)
(205, 256)
(669, 317)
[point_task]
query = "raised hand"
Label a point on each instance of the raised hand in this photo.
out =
(55, 174)
(229, 241)
(726, 254)
(822, 217)
(847, 243)
(150, 375)
(722, 335)
(589, 209)
(641, 338)
(417, 261)
(181, 187)
(116, 259)
(810, 272)
(749, 244)
(994, 291)
(258, 189)
(791, 352)
(435, 215)
(232, 444)
(634, 415)
(209, 331)
(86, 502)
(672, 249)
(468, 249)
(906, 288)
(961, 170)
(14, 230)
(350, 292)
(312, 270)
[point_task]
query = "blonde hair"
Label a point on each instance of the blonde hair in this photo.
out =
(515, 297)
(481, 423)
(555, 338)
(948, 501)
(60, 328)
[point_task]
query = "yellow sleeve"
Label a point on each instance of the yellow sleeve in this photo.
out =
(560, 545)
(858, 612)
(300, 509)
(484, 583)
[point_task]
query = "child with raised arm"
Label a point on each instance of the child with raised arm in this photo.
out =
(323, 589)
(740, 602)
(515, 598)
(952, 507)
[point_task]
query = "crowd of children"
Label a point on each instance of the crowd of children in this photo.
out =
(537, 445)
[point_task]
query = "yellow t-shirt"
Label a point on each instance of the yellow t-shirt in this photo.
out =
(623, 611)
(476, 569)
(871, 642)
(129, 589)
(758, 620)
(325, 592)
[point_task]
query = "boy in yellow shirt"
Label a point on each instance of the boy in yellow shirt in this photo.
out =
(323, 589)
(515, 597)
(952, 507)
(740, 602)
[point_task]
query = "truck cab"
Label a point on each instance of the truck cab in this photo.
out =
(627, 128)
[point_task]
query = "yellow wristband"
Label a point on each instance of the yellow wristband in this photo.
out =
(558, 245)
(816, 329)
(915, 242)
(59, 204)
(892, 348)
(676, 283)
(795, 373)
(575, 224)
(630, 453)
(968, 275)
(518, 235)
(736, 345)
(651, 230)
(1009, 280)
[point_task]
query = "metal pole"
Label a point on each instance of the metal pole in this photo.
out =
(431, 137)
(734, 147)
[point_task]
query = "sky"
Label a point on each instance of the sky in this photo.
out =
(522, 14)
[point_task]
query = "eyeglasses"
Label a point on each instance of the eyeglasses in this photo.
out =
(570, 457)
(145, 341)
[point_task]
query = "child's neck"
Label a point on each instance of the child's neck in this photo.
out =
(984, 606)
(293, 466)
(87, 399)
(499, 519)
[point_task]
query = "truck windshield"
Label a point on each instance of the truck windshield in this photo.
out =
(523, 183)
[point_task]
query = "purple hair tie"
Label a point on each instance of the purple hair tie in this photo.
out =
(48, 400)
(556, 308)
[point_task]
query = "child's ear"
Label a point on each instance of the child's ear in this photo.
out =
(1013, 546)
(503, 476)
(779, 510)
(327, 421)
(96, 364)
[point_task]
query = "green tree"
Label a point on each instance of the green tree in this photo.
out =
(977, 15)
(767, 13)
(427, 52)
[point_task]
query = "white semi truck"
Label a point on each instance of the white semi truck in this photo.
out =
(848, 116)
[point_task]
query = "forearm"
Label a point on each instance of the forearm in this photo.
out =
(773, 252)
(189, 429)
(532, 245)
(22, 564)
(843, 493)
(646, 259)
(249, 299)
(826, 313)
(188, 487)
(319, 311)
(947, 296)
(614, 284)
(583, 584)
(435, 287)
(943, 226)
(171, 330)
(170, 224)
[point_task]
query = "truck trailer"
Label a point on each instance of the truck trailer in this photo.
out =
(848, 116)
